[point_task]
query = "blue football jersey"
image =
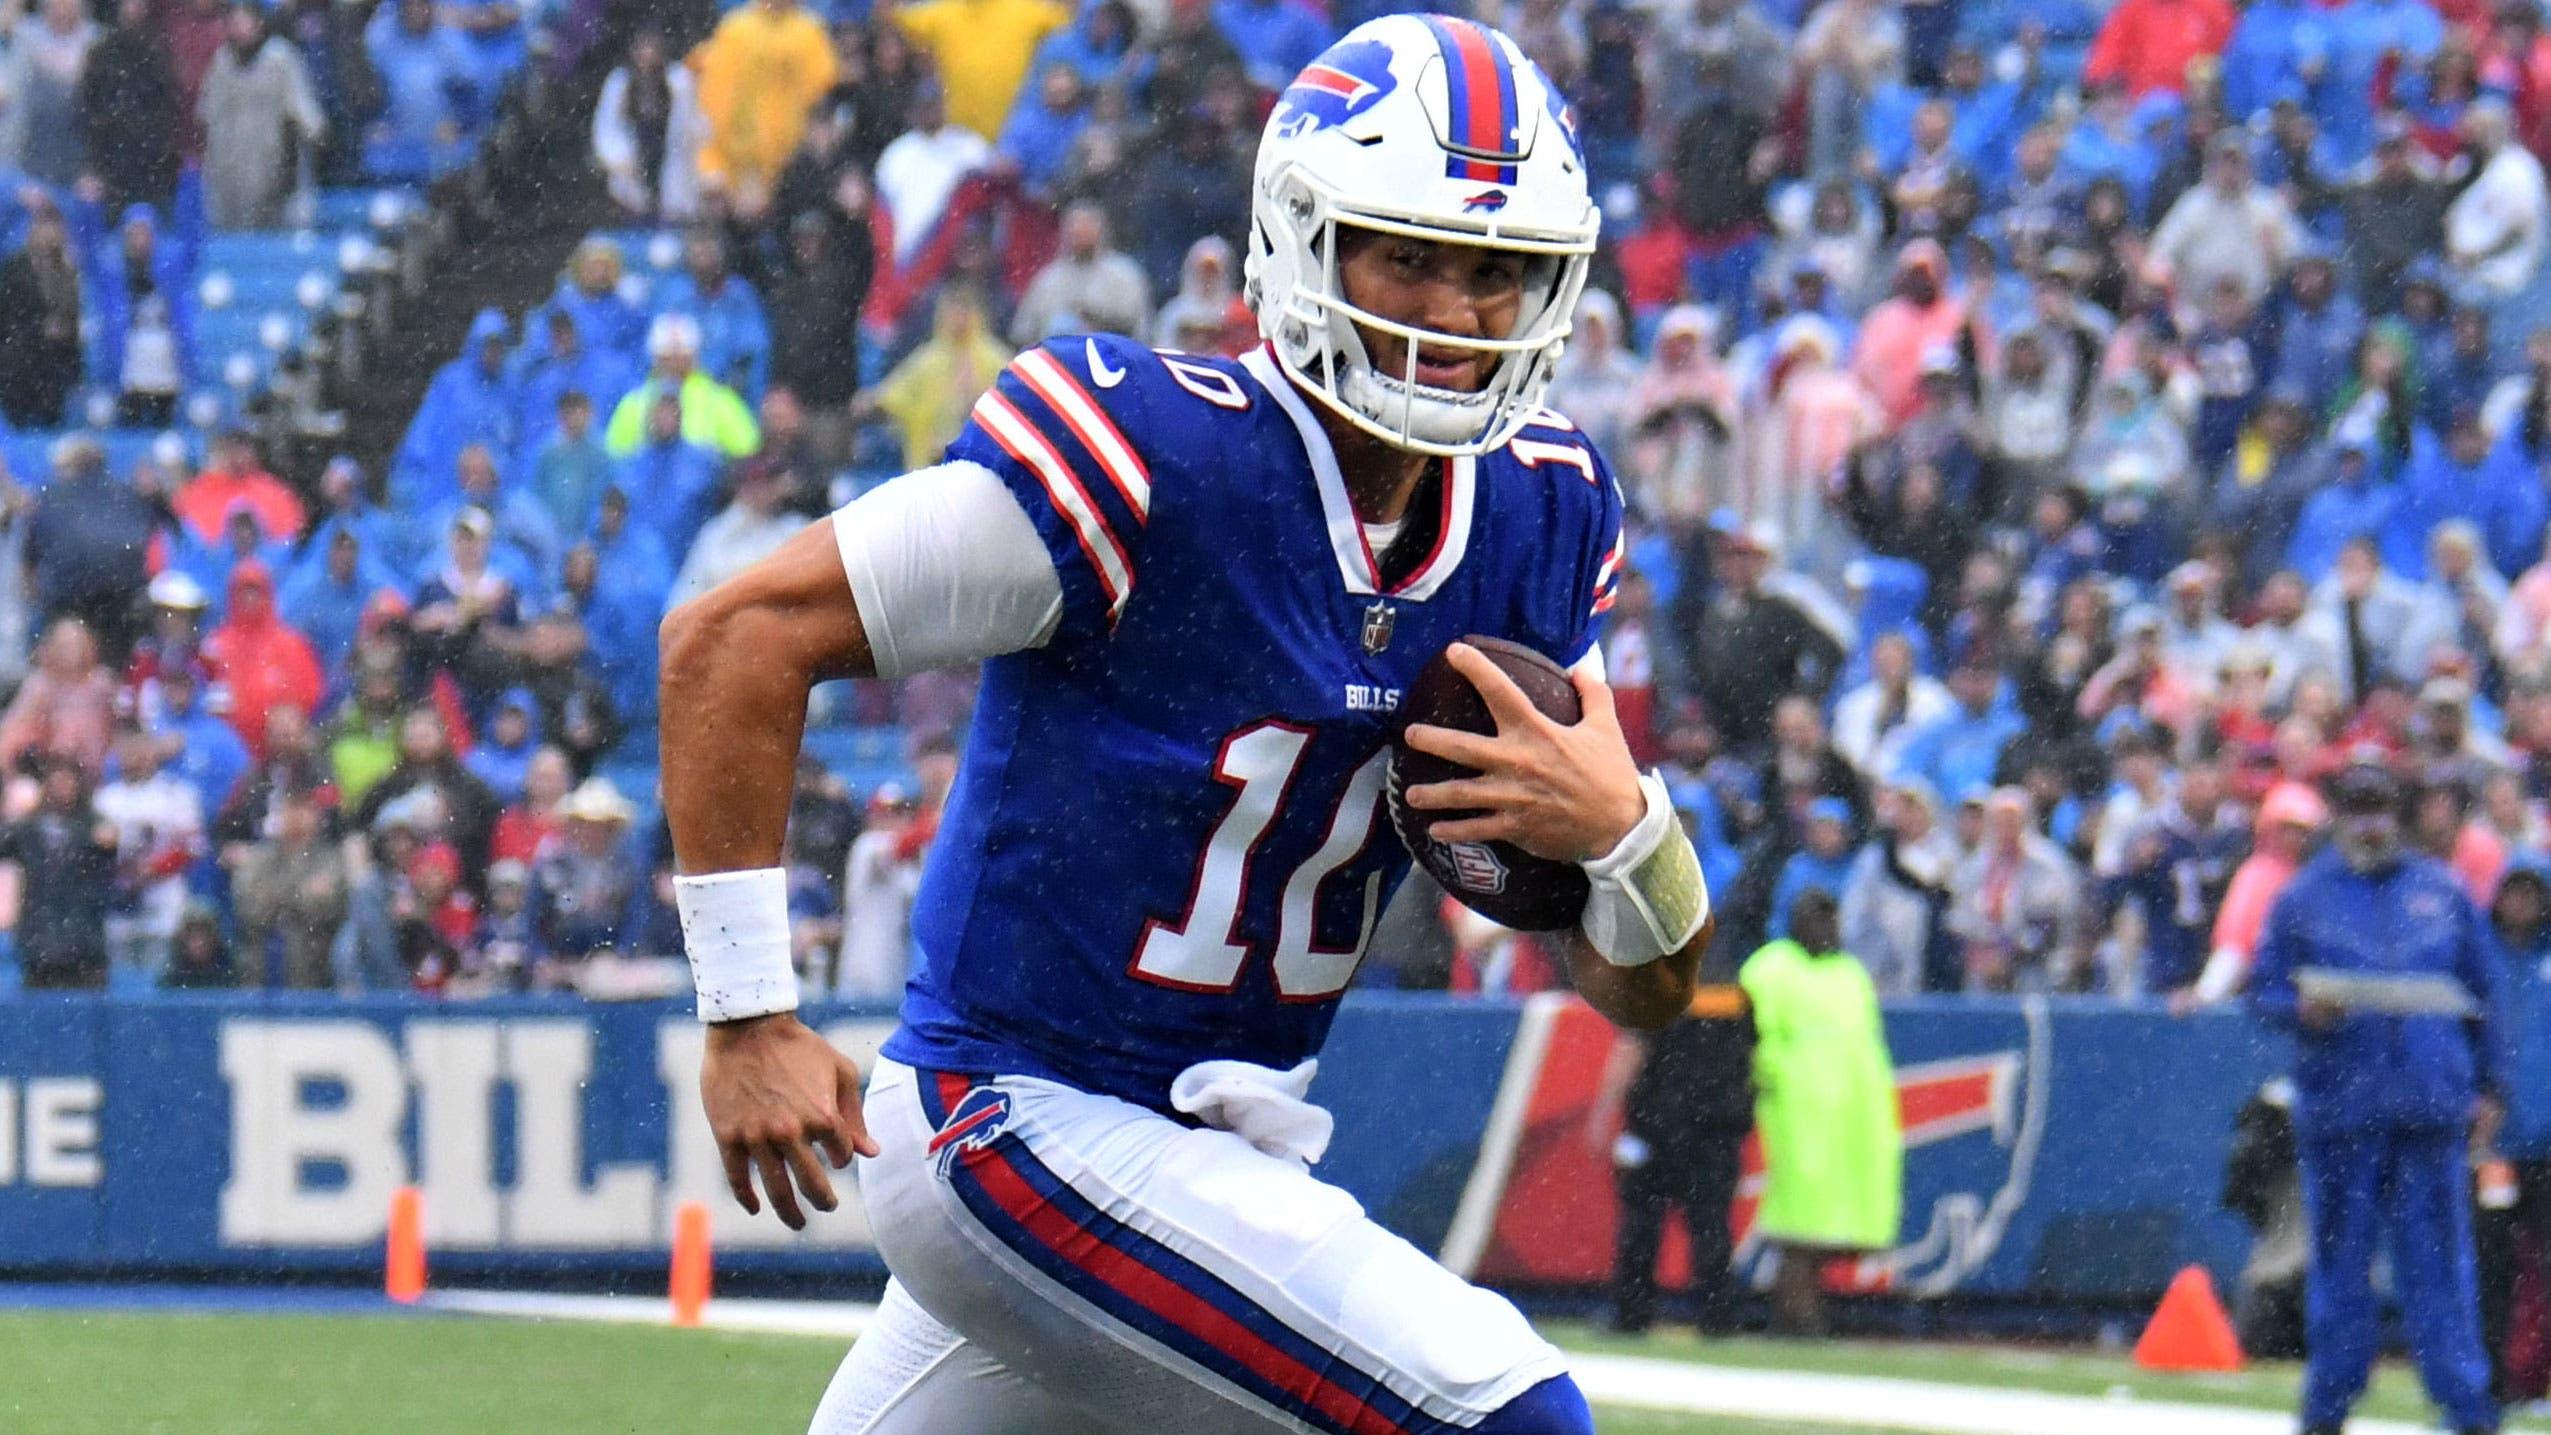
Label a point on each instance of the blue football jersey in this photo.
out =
(1167, 841)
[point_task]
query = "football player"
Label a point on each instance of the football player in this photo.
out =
(1198, 588)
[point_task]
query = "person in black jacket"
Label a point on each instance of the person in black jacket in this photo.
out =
(65, 856)
(1913, 519)
(40, 357)
(1752, 646)
(814, 309)
(126, 108)
(88, 543)
(429, 779)
(1685, 1100)
(1722, 163)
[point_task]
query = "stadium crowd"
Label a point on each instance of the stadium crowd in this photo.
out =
(2054, 439)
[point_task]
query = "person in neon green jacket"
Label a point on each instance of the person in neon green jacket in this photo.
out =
(713, 415)
(1824, 1106)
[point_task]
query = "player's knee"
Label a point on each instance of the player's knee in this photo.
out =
(1554, 1407)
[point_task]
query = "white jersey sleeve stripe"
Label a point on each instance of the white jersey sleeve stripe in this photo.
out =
(1019, 438)
(1053, 383)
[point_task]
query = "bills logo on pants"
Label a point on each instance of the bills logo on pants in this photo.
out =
(1116, 1258)
(970, 1126)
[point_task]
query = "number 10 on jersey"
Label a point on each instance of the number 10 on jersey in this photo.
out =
(1202, 951)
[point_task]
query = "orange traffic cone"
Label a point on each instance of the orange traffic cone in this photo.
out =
(2189, 1330)
(691, 1262)
(404, 1279)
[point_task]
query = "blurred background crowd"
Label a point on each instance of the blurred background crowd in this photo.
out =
(2055, 439)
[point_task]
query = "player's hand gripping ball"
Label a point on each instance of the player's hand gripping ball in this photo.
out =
(1498, 880)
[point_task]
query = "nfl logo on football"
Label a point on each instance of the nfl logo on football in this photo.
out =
(1476, 867)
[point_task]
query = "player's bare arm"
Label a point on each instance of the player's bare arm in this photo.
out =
(1567, 792)
(738, 664)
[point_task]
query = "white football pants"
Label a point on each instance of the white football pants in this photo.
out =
(1066, 1262)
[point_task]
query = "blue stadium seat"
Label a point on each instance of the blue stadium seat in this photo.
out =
(354, 210)
(865, 757)
(29, 453)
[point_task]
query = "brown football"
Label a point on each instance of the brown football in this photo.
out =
(1498, 880)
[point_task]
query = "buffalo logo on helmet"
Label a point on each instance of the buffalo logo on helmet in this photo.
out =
(1348, 80)
(1565, 116)
(1486, 201)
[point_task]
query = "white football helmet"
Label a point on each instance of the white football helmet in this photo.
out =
(1435, 127)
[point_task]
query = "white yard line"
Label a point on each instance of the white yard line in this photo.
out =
(1925, 1405)
(1645, 1382)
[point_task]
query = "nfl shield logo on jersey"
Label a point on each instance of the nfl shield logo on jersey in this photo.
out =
(1378, 622)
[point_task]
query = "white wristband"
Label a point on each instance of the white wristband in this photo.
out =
(1648, 897)
(735, 931)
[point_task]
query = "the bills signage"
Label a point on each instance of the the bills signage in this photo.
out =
(208, 1133)
(2052, 1152)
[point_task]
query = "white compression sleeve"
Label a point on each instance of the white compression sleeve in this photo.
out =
(946, 569)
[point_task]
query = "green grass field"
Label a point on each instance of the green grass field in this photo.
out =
(83, 1373)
